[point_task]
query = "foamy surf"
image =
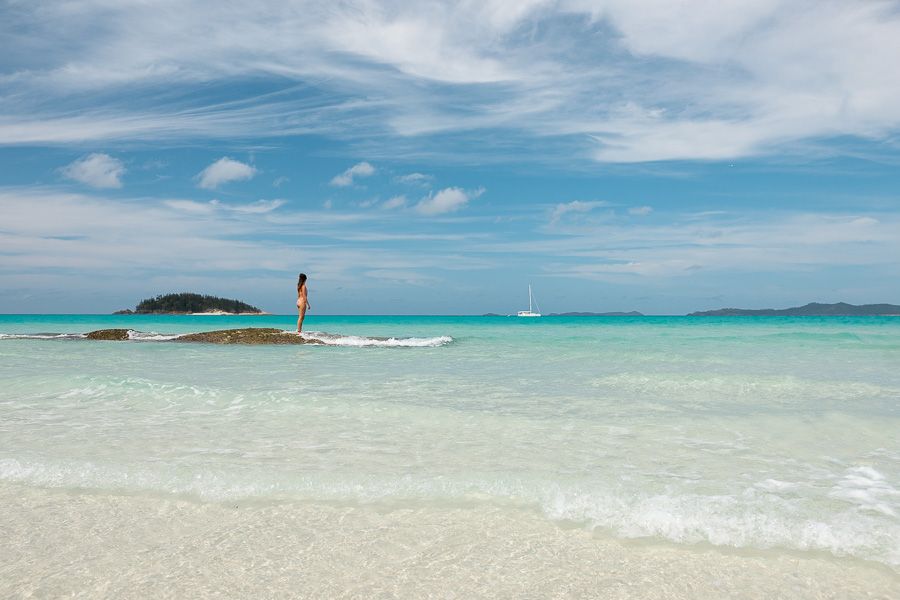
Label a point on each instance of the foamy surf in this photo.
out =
(336, 339)
(138, 336)
(738, 520)
(151, 336)
(41, 336)
(327, 339)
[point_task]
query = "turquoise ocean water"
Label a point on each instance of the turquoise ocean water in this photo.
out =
(765, 433)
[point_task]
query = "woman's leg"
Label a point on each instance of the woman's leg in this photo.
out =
(300, 319)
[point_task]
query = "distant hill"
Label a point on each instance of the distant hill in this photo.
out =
(813, 309)
(186, 303)
(633, 313)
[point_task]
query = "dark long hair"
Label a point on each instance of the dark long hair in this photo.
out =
(300, 281)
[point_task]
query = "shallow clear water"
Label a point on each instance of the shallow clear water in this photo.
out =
(749, 433)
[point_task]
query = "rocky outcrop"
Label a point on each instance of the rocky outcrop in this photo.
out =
(116, 335)
(258, 336)
(249, 335)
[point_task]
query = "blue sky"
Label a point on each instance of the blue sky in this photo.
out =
(435, 158)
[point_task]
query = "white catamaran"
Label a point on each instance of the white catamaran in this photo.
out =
(530, 312)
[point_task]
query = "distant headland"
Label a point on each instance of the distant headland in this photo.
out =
(187, 304)
(813, 309)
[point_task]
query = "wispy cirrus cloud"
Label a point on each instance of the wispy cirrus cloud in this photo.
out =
(224, 170)
(611, 81)
(100, 244)
(112, 243)
(704, 246)
(192, 206)
(96, 170)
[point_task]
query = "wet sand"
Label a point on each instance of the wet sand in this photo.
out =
(57, 543)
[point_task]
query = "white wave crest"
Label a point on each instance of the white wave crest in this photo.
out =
(747, 520)
(737, 521)
(151, 336)
(41, 336)
(334, 339)
(868, 489)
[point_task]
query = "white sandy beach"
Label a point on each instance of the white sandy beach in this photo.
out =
(63, 544)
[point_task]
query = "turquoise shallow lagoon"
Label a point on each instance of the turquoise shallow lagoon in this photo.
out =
(771, 437)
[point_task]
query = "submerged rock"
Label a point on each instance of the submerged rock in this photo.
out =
(247, 335)
(108, 334)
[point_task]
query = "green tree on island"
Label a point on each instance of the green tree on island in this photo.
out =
(192, 303)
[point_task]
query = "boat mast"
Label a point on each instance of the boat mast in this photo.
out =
(529, 298)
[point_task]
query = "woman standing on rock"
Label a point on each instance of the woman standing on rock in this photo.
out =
(302, 301)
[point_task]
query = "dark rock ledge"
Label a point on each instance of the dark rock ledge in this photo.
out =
(108, 334)
(249, 335)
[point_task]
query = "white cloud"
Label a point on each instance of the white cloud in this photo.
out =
(393, 203)
(733, 79)
(96, 170)
(192, 206)
(178, 237)
(447, 200)
(400, 276)
(640, 211)
(416, 179)
(576, 206)
(224, 170)
(697, 245)
(259, 207)
(358, 170)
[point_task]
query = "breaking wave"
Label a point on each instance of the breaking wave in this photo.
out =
(328, 339)
(745, 519)
(335, 339)
(144, 336)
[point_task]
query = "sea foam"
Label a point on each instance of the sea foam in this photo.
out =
(41, 336)
(328, 339)
(746, 520)
(334, 339)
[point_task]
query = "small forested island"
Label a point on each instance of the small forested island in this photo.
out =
(813, 309)
(188, 303)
